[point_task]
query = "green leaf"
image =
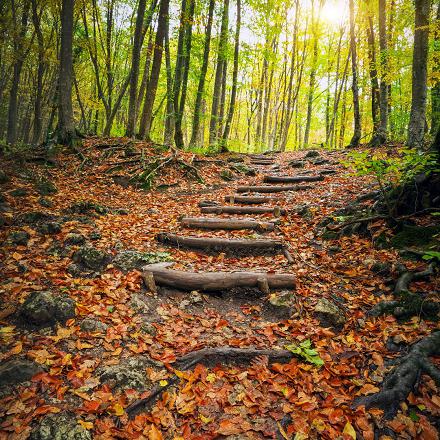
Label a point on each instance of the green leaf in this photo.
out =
(304, 350)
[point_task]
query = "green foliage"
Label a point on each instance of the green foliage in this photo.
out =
(432, 255)
(305, 351)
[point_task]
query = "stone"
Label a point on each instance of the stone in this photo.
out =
(121, 211)
(226, 175)
(4, 178)
(138, 303)
(61, 426)
(148, 328)
(46, 187)
(42, 308)
(43, 201)
(130, 373)
(91, 258)
(74, 239)
(128, 260)
(16, 371)
(297, 163)
(19, 238)
(87, 207)
(19, 192)
(49, 228)
(312, 153)
(243, 169)
(95, 235)
(32, 217)
(93, 325)
(195, 297)
(329, 314)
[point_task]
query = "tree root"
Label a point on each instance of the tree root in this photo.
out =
(403, 378)
(208, 357)
(407, 303)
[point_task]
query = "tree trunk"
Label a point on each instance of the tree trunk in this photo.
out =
(134, 75)
(355, 89)
(216, 97)
(381, 135)
(19, 54)
(234, 79)
(417, 120)
(150, 92)
(375, 93)
(169, 117)
(435, 91)
(202, 78)
(66, 124)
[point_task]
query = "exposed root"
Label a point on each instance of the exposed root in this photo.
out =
(403, 378)
(209, 357)
(407, 303)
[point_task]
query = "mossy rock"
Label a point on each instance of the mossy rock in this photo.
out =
(312, 153)
(4, 178)
(91, 258)
(88, 207)
(243, 169)
(18, 192)
(330, 235)
(62, 426)
(33, 217)
(46, 187)
(227, 175)
(49, 228)
(129, 259)
(416, 236)
(19, 238)
(43, 201)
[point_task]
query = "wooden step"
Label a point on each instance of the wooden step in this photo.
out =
(272, 189)
(215, 281)
(251, 200)
(292, 179)
(226, 223)
(276, 210)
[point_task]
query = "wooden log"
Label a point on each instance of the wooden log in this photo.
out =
(250, 200)
(272, 189)
(277, 211)
(213, 243)
(226, 223)
(292, 179)
(262, 162)
(216, 281)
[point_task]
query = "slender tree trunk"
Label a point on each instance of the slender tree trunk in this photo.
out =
(355, 89)
(169, 117)
(417, 120)
(435, 91)
(145, 75)
(234, 78)
(150, 93)
(221, 110)
(38, 120)
(375, 93)
(201, 87)
(381, 135)
(20, 52)
(66, 125)
(135, 59)
(178, 131)
(216, 97)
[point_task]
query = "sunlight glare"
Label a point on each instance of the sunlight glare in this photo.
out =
(334, 11)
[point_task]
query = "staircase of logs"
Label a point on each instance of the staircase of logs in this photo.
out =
(246, 200)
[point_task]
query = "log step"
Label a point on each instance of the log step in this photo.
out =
(292, 179)
(276, 211)
(213, 243)
(227, 224)
(272, 189)
(215, 281)
(250, 200)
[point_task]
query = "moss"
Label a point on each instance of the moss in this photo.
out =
(416, 236)
(46, 188)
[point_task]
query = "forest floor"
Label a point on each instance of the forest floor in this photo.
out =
(81, 373)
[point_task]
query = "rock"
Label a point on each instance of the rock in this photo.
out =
(74, 239)
(49, 228)
(227, 175)
(42, 308)
(130, 373)
(297, 163)
(19, 238)
(45, 202)
(88, 257)
(319, 161)
(19, 192)
(148, 328)
(312, 153)
(16, 371)
(195, 297)
(95, 235)
(33, 217)
(93, 325)
(281, 305)
(329, 314)
(138, 303)
(46, 188)
(129, 260)
(283, 298)
(243, 169)
(4, 178)
(62, 426)
(87, 207)
(121, 211)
